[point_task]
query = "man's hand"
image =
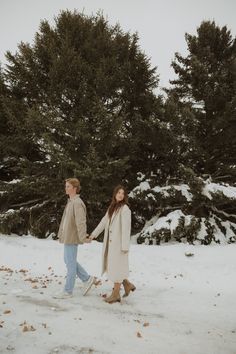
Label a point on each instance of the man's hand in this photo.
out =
(87, 240)
(91, 237)
(125, 252)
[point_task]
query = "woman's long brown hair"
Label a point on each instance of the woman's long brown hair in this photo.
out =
(114, 206)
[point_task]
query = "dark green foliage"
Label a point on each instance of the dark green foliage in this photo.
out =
(205, 88)
(158, 236)
(78, 102)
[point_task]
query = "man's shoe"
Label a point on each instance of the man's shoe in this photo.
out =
(88, 284)
(63, 295)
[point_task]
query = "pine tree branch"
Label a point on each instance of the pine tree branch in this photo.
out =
(223, 215)
(26, 203)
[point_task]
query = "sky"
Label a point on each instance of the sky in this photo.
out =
(161, 24)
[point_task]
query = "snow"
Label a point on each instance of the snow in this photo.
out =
(140, 176)
(144, 186)
(187, 303)
(171, 221)
(184, 188)
(208, 190)
(211, 188)
(14, 181)
(203, 230)
(6, 213)
(168, 222)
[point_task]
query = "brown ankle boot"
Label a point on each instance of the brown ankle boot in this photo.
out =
(114, 297)
(128, 287)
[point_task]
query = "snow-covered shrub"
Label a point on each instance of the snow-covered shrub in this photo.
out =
(198, 212)
(12, 221)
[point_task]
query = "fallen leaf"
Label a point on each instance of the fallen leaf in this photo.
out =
(28, 328)
(5, 269)
(31, 280)
(7, 312)
(146, 324)
(189, 254)
(23, 270)
(9, 347)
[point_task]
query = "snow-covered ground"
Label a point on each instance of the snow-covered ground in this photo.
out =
(182, 305)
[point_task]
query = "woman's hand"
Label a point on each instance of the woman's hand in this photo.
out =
(125, 252)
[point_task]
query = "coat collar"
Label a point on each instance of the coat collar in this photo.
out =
(73, 198)
(114, 215)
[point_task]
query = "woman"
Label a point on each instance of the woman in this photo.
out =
(117, 226)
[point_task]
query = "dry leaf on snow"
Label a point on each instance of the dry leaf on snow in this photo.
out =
(6, 312)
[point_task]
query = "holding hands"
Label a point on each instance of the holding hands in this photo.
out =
(88, 239)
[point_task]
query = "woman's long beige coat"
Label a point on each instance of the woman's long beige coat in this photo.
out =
(114, 260)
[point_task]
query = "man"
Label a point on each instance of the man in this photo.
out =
(72, 232)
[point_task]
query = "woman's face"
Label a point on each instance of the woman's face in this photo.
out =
(120, 195)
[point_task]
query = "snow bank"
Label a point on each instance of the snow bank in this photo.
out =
(181, 301)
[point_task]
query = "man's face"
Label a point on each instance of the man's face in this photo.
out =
(70, 190)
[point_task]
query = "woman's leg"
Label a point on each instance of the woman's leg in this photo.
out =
(117, 286)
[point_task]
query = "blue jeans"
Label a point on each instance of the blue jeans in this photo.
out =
(73, 267)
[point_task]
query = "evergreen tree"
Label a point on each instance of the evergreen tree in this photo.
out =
(80, 103)
(206, 81)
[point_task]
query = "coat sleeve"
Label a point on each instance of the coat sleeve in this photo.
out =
(80, 221)
(125, 228)
(59, 234)
(101, 226)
